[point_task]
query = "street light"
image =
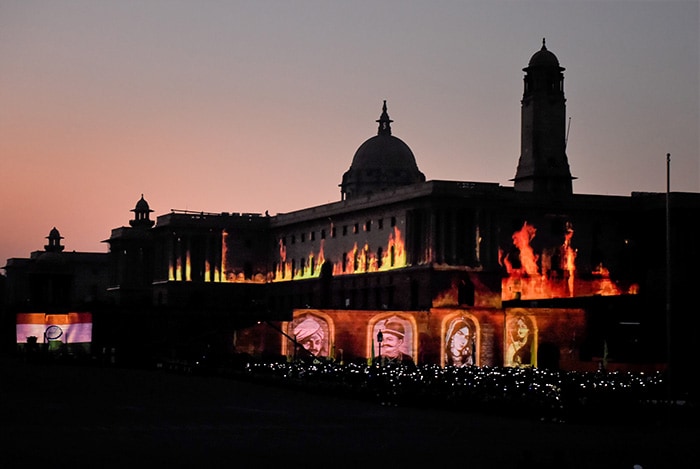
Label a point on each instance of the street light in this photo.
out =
(380, 338)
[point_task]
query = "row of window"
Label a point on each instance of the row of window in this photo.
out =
(345, 230)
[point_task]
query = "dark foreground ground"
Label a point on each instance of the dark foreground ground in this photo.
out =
(62, 415)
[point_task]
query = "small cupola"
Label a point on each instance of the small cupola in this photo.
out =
(54, 238)
(142, 215)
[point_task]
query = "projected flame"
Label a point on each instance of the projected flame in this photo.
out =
(357, 260)
(547, 274)
(538, 278)
(282, 272)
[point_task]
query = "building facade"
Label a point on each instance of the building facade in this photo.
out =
(453, 271)
(49, 298)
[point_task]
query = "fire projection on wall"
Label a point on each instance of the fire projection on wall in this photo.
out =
(551, 273)
(357, 261)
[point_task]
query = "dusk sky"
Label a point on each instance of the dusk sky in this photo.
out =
(248, 106)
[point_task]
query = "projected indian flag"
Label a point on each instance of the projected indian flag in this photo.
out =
(68, 328)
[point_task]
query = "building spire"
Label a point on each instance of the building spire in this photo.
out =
(384, 122)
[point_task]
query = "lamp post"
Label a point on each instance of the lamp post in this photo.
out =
(669, 365)
(380, 338)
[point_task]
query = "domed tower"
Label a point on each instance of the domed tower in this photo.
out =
(543, 166)
(142, 215)
(381, 163)
(54, 238)
(131, 258)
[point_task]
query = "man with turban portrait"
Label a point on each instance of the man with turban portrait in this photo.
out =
(310, 335)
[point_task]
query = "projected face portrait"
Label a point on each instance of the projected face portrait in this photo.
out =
(311, 332)
(519, 336)
(395, 344)
(459, 343)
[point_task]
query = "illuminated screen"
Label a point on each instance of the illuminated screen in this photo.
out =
(54, 329)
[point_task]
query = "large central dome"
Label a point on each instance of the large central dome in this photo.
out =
(381, 163)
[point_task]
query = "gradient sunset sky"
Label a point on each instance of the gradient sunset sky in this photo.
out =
(248, 106)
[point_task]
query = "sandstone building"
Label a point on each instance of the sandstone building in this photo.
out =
(531, 275)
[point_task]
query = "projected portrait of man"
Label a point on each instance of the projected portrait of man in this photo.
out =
(459, 343)
(519, 341)
(394, 347)
(310, 332)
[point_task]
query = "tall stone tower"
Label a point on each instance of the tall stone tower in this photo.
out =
(543, 166)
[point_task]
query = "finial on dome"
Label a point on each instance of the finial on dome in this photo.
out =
(384, 122)
(544, 44)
